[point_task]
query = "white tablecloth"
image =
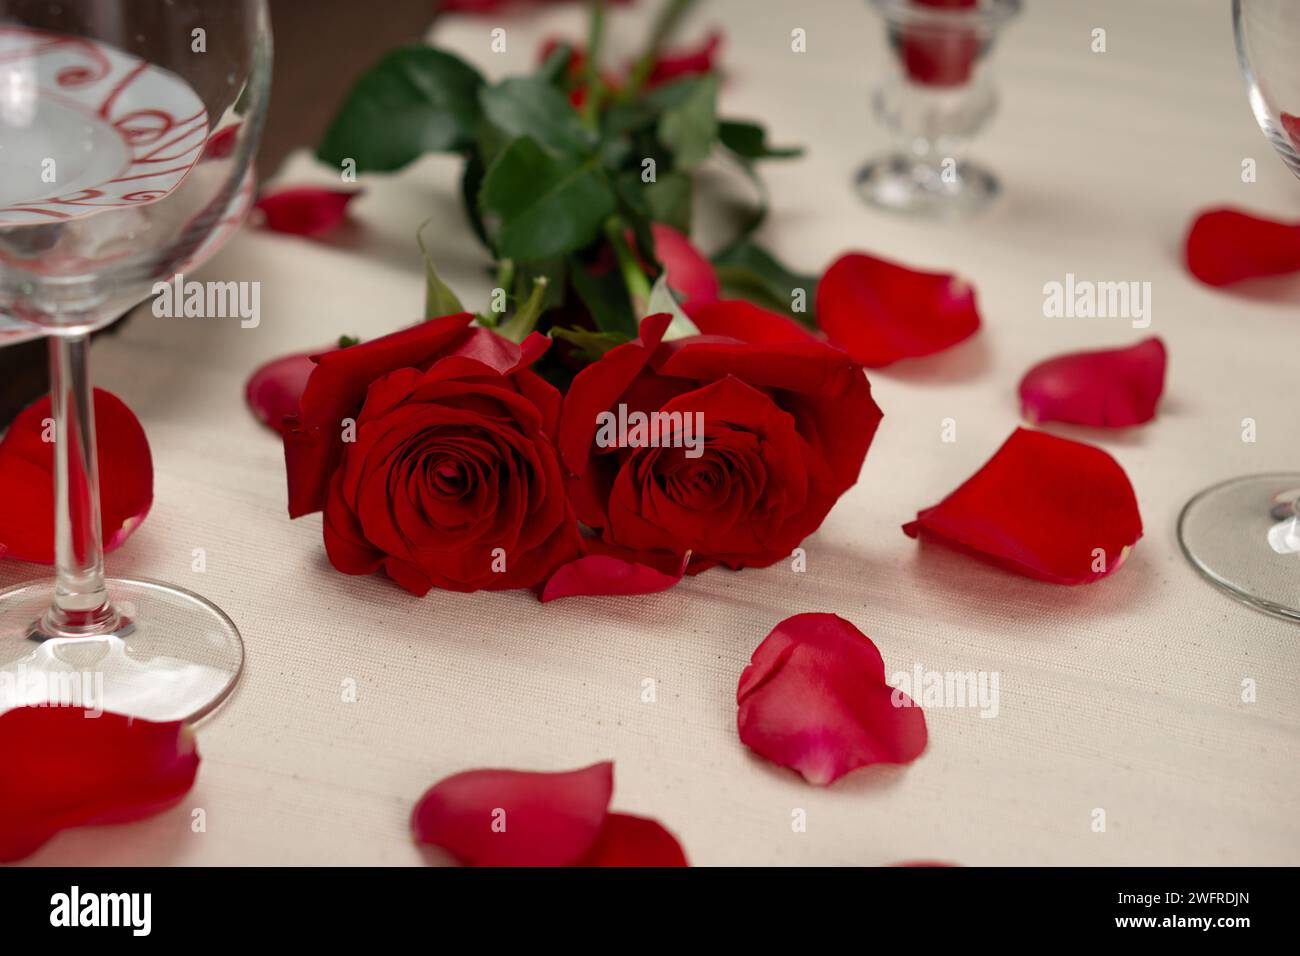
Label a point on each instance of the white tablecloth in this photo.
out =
(1124, 695)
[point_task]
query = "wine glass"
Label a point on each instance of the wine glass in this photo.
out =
(126, 132)
(935, 99)
(1243, 534)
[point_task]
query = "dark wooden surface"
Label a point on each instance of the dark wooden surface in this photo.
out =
(321, 46)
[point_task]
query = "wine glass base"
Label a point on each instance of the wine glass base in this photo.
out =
(177, 658)
(901, 184)
(1242, 536)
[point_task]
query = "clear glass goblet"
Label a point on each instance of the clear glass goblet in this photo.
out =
(126, 131)
(1243, 534)
(936, 97)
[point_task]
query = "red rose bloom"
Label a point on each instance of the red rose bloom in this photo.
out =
(780, 431)
(429, 451)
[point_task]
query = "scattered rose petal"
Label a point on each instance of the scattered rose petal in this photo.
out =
(607, 574)
(626, 840)
(305, 210)
(923, 863)
(737, 319)
(60, 767)
(551, 819)
(1292, 125)
(1226, 246)
(691, 61)
(27, 478)
(274, 390)
(1109, 388)
(1042, 506)
(880, 312)
(689, 272)
(935, 54)
(814, 699)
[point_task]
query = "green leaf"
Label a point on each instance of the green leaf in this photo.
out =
(416, 100)
(471, 181)
(690, 128)
(530, 106)
(538, 206)
(554, 271)
(749, 269)
(438, 298)
(669, 200)
(520, 325)
(605, 297)
(662, 299)
(591, 344)
(749, 141)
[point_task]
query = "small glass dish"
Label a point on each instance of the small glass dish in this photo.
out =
(936, 97)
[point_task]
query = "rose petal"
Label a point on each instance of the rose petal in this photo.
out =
(604, 574)
(1109, 388)
(737, 319)
(1042, 506)
(814, 699)
(1292, 125)
(63, 767)
(305, 210)
(880, 312)
(923, 863)
(691, 61)
(275, 389)
(222, 142)
(27, 478)
(690, 273)
(939, 55)
(627, 840)
(516, 817)
(1226, 246)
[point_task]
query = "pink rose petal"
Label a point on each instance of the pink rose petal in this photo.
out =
(814, 699)
(516, 817)
(274, 390)
(1109, 388)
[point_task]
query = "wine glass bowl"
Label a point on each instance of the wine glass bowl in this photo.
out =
(1268, 50)
(110, 177)
(126, 133)
(1243, 535)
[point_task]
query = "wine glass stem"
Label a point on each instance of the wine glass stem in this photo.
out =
(81, 606)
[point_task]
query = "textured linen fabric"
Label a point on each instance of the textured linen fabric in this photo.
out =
(1124, 696)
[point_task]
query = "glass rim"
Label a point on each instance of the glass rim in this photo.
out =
(985, 14)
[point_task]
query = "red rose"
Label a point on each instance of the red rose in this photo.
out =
(764, 436)
(429, 451)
